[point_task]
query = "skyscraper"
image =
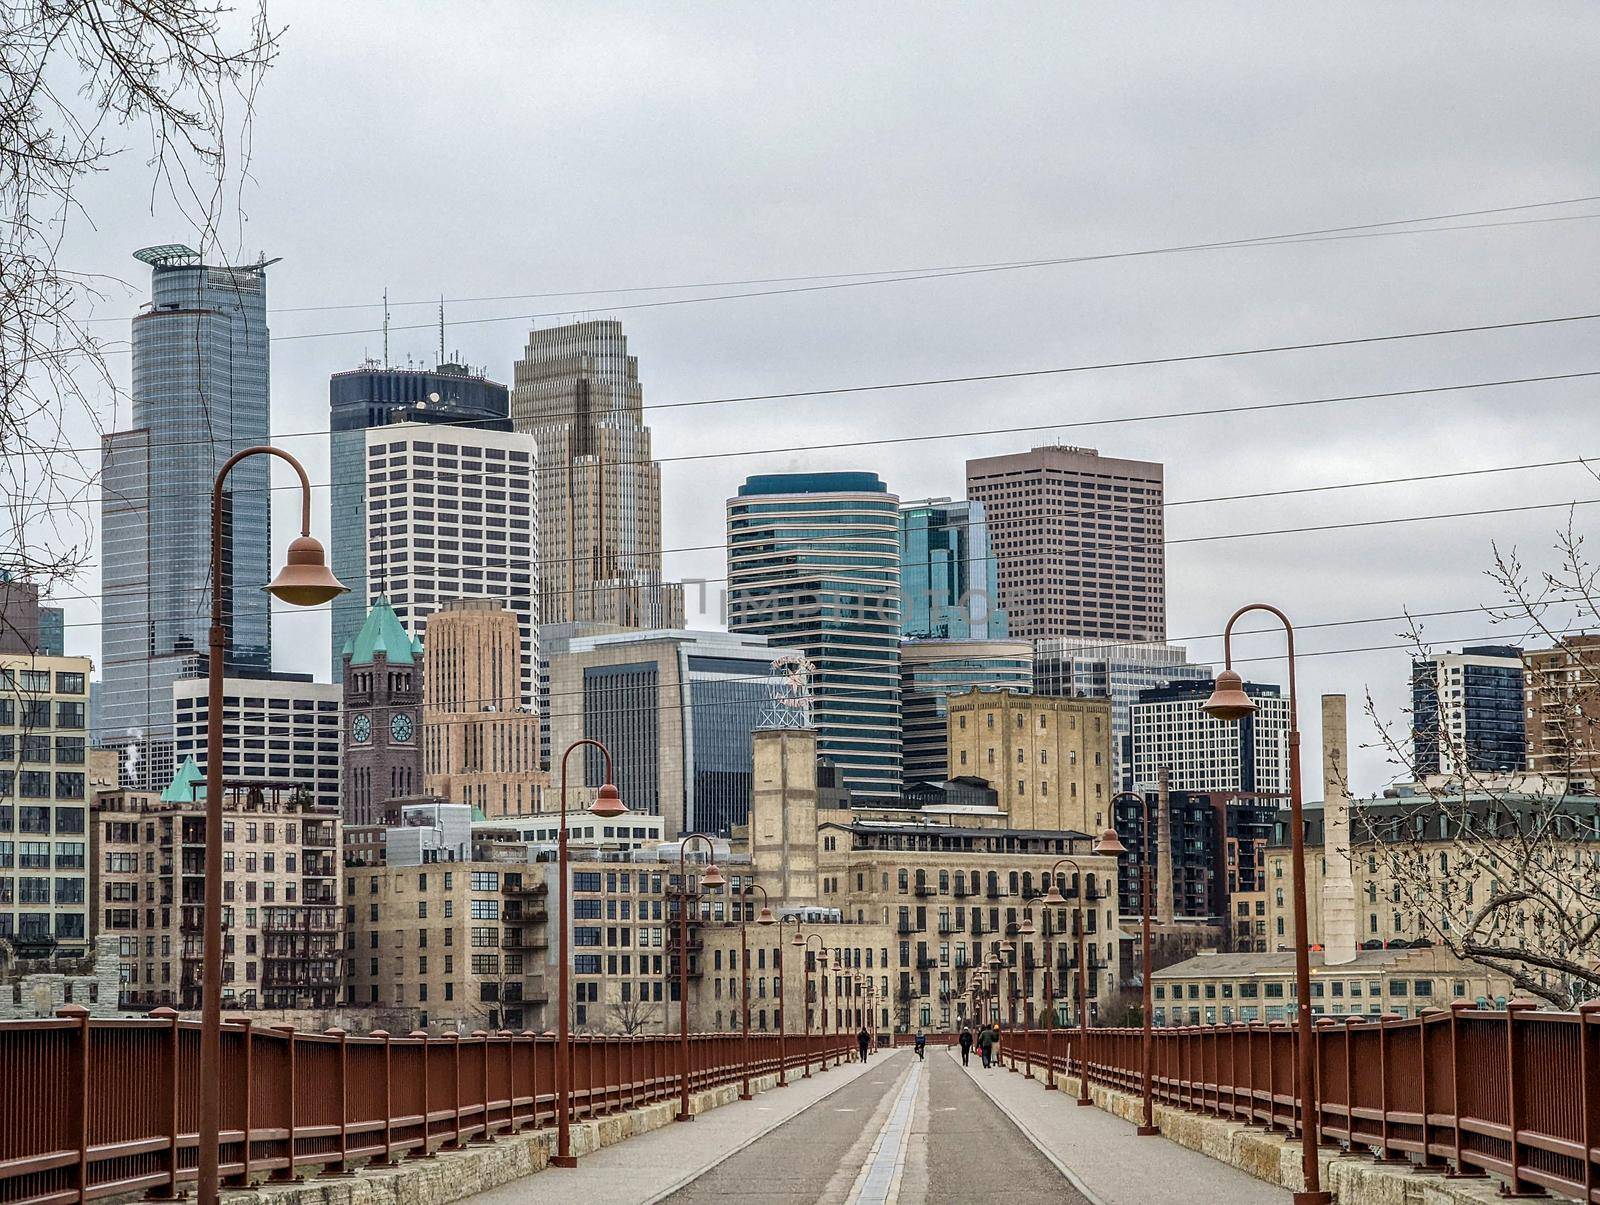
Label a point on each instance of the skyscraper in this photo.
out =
(1079, 542)
(933, 670)
(814, 564)
(1171, 732)
(200, 393)
(577, 393)
(450, 513)
(1467, 711)
(948, 581)
(375, 395)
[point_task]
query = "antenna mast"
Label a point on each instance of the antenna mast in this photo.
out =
(386, 326)
(441, 328)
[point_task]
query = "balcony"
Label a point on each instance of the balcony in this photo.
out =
(531, 938)
(962, 891)
(906, 928)
(529, 887)
(924, 890)
(927, 963)
(536, 915)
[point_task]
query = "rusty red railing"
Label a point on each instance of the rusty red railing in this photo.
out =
(95, 1108)
(1513, 1092)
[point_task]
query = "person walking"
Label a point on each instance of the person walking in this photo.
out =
(966, 1044)
(986, 1044)
(863, 1040)
(922, 1044)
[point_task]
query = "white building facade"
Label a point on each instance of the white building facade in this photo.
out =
(1170, 731)
(273, 730)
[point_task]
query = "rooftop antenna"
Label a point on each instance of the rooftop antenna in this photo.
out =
(386, 326)
(441, 328)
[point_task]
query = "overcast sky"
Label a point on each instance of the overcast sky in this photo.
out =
(488, 149)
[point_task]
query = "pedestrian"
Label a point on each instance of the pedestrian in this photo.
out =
(922, 1044)
(966, 1044)
(863, 1040)
(985, 1043)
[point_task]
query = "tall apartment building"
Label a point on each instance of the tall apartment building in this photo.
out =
(949, 586)
(577, 393)
(200, 394)
(1563, 708)
(814, 565)
(1048, 759)
(452, 512)
(280, 893)
(1171, 732)
(25, 626)
(44, 803)
(933, 670)
(480, 741)
(1467, 712)
(281, 730)
(1079, 542)
(1115, 670)
(677, 709)
(376, 395)
(383, 691)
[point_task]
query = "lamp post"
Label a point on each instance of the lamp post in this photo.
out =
(1107, 844)
(802, 942)
(765, 917)
(711, 878)
(779, 967)
(607, 805)
(304, 581)
(1229, 702)
(822, 966)
(1147, 1127)
(1028, 929)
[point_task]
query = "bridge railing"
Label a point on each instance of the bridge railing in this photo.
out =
(1513, 1091)
(96, 1107)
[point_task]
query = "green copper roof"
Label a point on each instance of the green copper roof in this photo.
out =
(382, 633)
(188, 785)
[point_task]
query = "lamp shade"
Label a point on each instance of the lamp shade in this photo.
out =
(1053, 898)
(713, 877)
(608, 804)
(765, 917)
(305, 580)
(1110, 843)
(799, 938)
(1228, 700)
(1027, 928)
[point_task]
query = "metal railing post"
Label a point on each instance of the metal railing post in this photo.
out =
(170, 1109)
(287, 1173)
(76, 1012)
(342, 1167)
(387, 1158)
(1515, 1185)
(423, 1151)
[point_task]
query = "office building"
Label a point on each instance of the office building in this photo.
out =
(280, 893)
(677, 710)
(376, 395)
(1171, 732)
(282, 730)
(480, 741)
(1078, 540)
(1048, 759)
(577, 393)
(1563, 708)
(25, 626)
(44, 804)
(930, 672)
(383, 691)
(1467, 712)
(948, 581)
(452, 513)
(814, 565)
(200, 394)
(1115, 670)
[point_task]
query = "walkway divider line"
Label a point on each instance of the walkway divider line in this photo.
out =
(1067, 1173)
(881, 1174)
(684, 1182)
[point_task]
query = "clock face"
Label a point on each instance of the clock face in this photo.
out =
(361, 729)
(400, 727)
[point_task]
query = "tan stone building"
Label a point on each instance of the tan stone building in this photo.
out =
(480, 745)
(1048, 758)
(280, 894)
(1563, 701)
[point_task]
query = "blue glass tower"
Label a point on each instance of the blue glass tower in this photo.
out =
(814, 564)
(949, 587)
(200, 393)
(377, 396)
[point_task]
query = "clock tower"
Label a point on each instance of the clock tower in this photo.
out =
(382, 717)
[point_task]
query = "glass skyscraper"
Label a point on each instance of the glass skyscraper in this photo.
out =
(948, 581)
(930, 672)
(376, 396)
(200, 393)
(1468, 711)
(814, 564)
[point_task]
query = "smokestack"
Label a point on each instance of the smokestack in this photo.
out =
(1338, 884)
(1163, 869)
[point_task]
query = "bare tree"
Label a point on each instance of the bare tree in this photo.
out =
(81, 82)
(634, 1016)
(1504, 869)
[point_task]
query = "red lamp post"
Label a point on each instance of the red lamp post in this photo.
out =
(765, 917)
(1107, 844)
(1228, 702)
(1148, 1127)
(1027, 929)
(606, 806)
(712, 878)
(804, 942)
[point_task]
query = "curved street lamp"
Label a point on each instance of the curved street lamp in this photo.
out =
(765, 917)
(822, 957)
(712, 878)
(1147, 1127)
(1108, 844)
(304, 581)
(1229, 702)
(607, 805)
(1027, 929)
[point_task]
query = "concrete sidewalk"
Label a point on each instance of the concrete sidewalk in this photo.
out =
(1103, 1156)
(650, 1166)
